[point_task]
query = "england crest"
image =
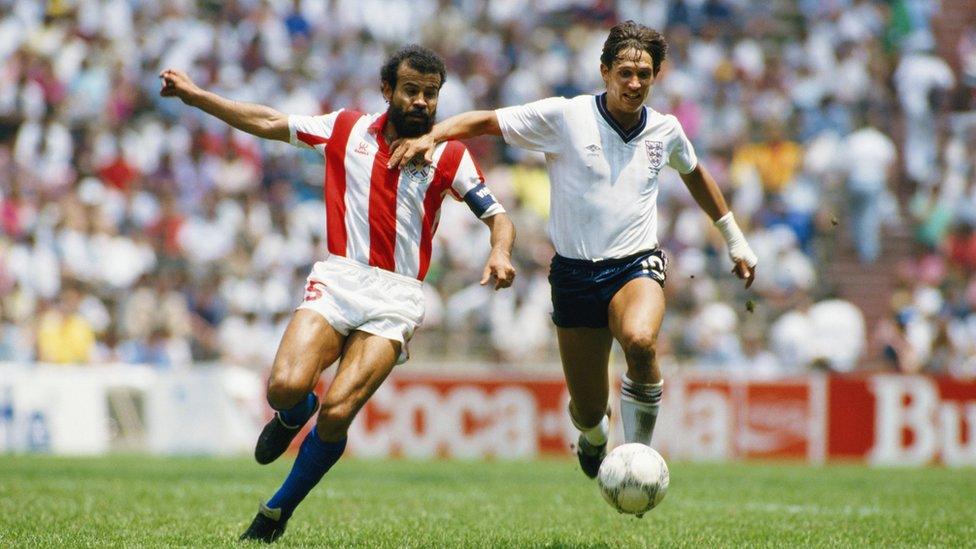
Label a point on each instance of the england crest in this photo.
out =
(655, 153)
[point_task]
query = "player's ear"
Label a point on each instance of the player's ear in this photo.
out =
(605, 73)
(387, 91)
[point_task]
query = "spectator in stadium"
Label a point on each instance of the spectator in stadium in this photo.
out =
(901, 351)
(961, 246)
(608, 274)
(16, 330)
(932, 214)
(868, 158)
(64, 336)
(774, 158)
(922, 80)
(364, 301)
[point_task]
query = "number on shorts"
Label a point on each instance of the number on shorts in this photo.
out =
(313, 291)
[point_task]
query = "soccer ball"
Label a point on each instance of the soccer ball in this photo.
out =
(633, 478)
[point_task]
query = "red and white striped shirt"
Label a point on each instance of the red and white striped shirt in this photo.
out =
(379, 216)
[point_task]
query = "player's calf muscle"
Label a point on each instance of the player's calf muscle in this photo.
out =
(344, 400)
(335, 418)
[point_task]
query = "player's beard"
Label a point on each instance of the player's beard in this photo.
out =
(410, 126)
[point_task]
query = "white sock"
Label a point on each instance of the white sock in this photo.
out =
(596, 435)
(639, 405)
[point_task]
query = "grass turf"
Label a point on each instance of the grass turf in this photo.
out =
(140, 501)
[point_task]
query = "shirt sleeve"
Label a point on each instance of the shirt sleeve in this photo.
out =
(469, 185)
(682, 157)
(536, 126)
(308, 131)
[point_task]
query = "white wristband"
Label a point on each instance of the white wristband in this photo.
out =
(739, 249)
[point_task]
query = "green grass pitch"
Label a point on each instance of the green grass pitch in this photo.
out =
(202, 502)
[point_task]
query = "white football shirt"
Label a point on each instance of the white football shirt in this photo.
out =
(603, 178)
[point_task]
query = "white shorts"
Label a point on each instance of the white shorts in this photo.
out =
(352, 296)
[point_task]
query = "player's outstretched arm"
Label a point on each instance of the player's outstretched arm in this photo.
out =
(460, 126)
(254, 119)
(707, 194)
(499, 268)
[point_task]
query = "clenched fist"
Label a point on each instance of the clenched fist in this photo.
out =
(178, 84)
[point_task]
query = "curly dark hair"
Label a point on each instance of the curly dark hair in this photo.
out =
(418, 58)
(631, 35)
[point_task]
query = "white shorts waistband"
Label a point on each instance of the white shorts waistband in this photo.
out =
(332, 258)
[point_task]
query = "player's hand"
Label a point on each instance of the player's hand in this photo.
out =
(404, 150)
(744, 271)
(498, 269)
(178, 84)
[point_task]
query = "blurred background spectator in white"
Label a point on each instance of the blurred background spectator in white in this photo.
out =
(868, 157)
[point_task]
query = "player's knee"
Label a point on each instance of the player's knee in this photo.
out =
(640, 346)
(334, 419)
(285, 390)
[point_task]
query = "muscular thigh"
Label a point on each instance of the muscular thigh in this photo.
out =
(637, 311)
(367, 360)
(310, 344)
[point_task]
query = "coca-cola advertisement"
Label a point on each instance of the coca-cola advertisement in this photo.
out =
(881, 419)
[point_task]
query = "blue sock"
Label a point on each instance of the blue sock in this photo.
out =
(314, 459)
(297, 415)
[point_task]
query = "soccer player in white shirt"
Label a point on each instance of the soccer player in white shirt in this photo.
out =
(363, 301)
(604, 153)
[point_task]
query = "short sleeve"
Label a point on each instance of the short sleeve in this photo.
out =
(309, 131)
(682, 157)
(536, 126)
(469, 185)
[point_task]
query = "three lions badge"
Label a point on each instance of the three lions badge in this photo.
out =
(655, 154)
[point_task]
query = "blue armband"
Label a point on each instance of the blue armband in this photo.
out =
(479, 199)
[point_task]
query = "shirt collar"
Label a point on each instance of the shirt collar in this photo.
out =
(376, 128)
(626, 135)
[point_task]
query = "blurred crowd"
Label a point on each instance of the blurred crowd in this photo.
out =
(136, 229)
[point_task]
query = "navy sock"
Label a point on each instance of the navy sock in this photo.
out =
(297, 415)
(314, 459)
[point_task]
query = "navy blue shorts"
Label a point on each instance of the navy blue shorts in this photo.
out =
(582, 289)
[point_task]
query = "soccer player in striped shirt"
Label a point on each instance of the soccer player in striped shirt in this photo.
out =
(363, 301)
(604, 153)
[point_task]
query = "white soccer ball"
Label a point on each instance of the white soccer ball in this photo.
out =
(633, 478)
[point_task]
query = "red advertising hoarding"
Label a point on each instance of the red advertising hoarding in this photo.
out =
(881, 419)
(903, 420)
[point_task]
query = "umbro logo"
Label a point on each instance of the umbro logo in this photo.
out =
(593, 148)
(362, 148)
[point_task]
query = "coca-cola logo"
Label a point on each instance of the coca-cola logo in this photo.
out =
(419, 420)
